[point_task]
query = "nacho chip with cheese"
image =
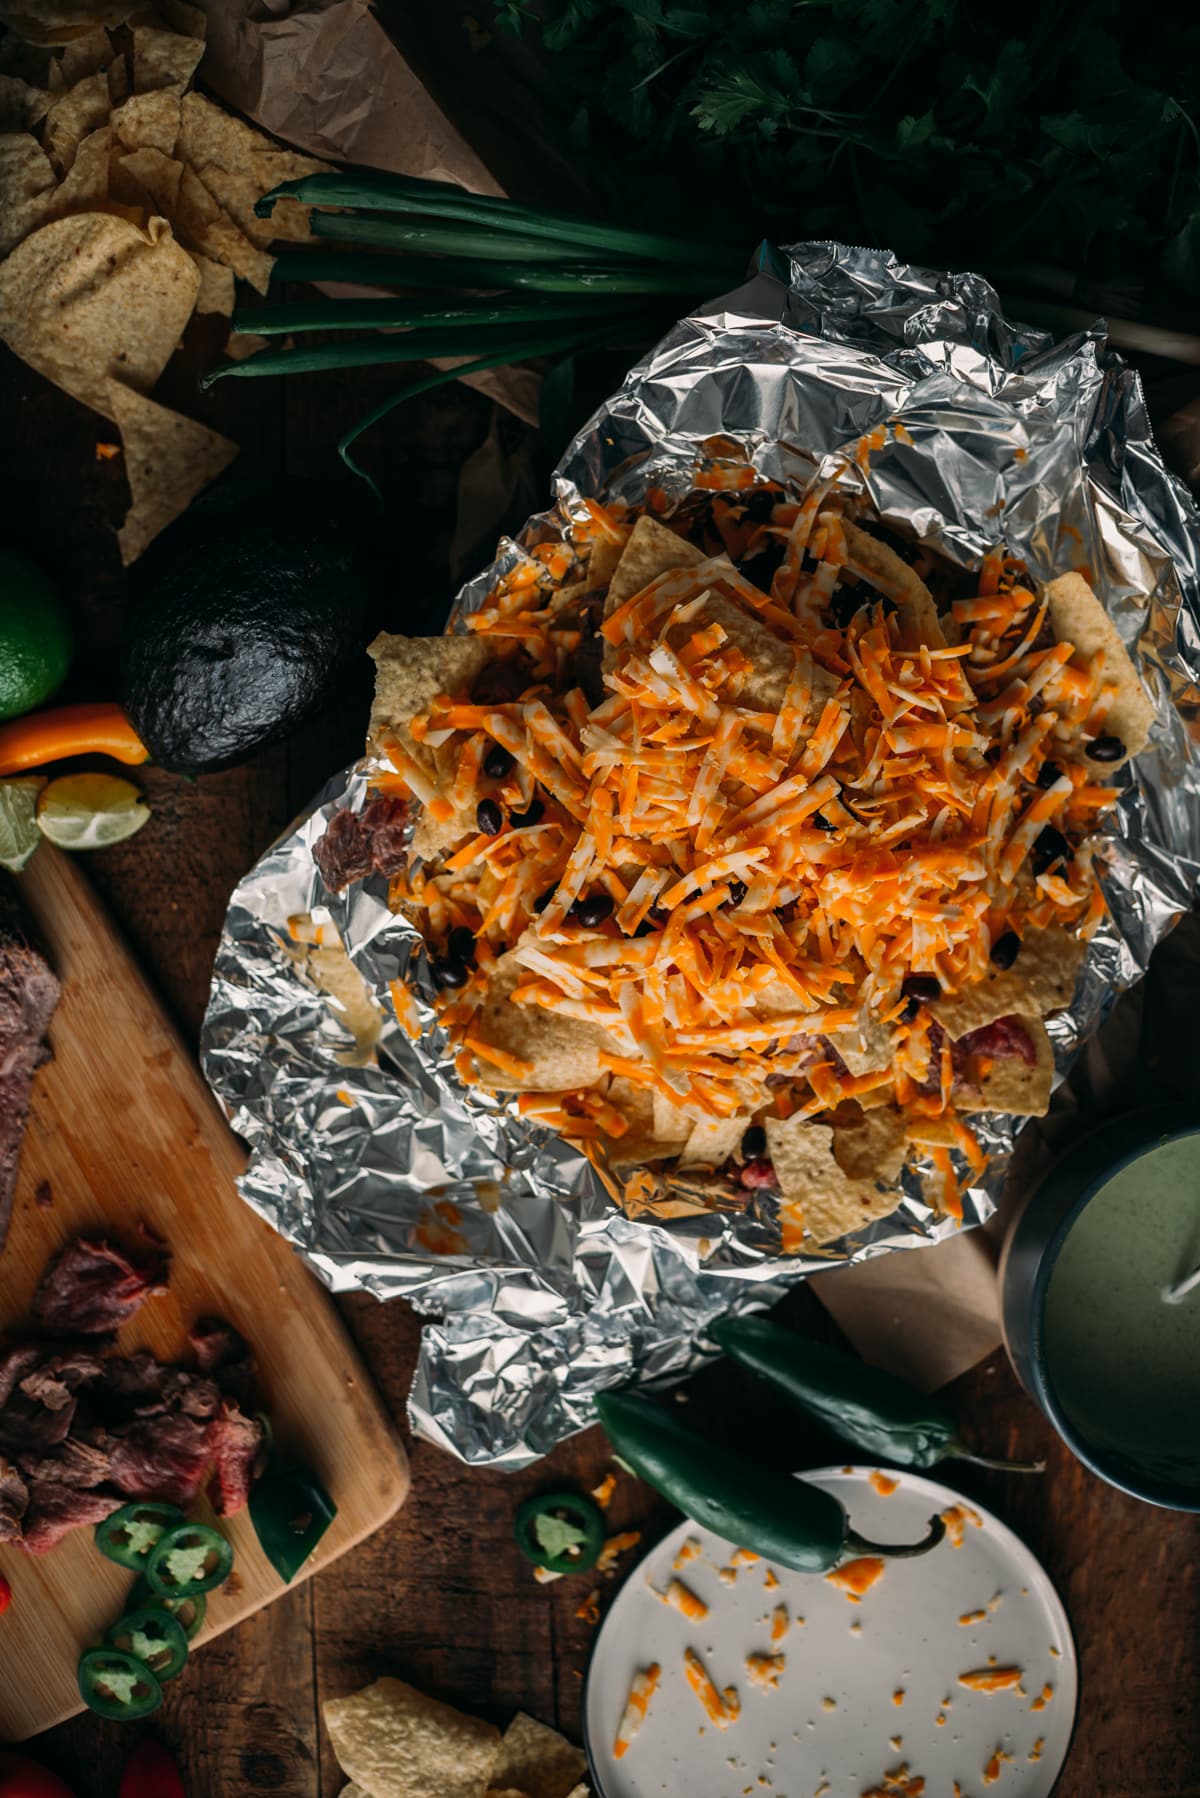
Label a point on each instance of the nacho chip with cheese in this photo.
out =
(765, 917)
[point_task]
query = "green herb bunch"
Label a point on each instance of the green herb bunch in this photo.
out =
(1057, 133)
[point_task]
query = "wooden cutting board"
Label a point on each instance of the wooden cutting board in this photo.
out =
(124, 1129)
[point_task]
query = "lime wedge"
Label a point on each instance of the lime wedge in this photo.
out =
(19, 834)
(90, 811)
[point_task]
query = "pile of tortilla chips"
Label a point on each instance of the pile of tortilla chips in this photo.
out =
(127, 203)
(753, 847)
(393, 1742)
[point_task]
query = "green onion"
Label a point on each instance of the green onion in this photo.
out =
(346, 315)
(399, 193)
(362, 268)
(512, 344)
(440, 238)
(547, 347)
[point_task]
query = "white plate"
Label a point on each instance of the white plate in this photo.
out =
(829, 1726)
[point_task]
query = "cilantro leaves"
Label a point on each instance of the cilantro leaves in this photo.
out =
(555, 1535)
(1051, 132)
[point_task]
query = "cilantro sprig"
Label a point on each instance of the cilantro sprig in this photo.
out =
(1053, 135)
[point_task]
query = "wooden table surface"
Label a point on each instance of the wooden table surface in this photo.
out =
(441, 1596)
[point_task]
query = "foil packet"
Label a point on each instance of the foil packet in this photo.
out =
(387, 1176)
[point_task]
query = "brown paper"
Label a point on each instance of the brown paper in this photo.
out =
(324, 75)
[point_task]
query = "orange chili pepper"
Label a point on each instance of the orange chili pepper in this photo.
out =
(95, 728)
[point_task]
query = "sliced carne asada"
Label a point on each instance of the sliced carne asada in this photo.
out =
(355, 844)
(90, 1287)
(29, 992)
(82, 1429)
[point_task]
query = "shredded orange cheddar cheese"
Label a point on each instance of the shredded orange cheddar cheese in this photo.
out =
(992, 1679)
(778, 808)
(642, 1690)
(857, 1577)
(720, 1708)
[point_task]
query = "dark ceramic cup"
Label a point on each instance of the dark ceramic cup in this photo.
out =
(1034, 1242)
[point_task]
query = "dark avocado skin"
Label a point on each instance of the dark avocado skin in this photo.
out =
(245, 615)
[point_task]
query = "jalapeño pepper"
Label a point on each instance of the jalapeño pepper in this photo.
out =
(885, 1417)
(155, 1637)
(290, 1511)
(778, 1516)
(188, 1612)
(131, 1534)
(561, 1531)
(189, 1560)
(117, 1685)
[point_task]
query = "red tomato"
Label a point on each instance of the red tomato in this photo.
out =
(23, 1778)
(150, 1772)
(5, 1595)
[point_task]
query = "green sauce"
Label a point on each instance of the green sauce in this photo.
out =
(1124, 1364)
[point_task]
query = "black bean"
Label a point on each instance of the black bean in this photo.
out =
(593, 909)
(1049, 846)
(489, 817)
(737, 891)
(754, 1142)
(543, 899)
(1048, 774)
(460, 945)
(1005, 950)
(1105, 749)
(822, 823)
(450, 973)
(910, 1012)
(924, 988)
(759, 503)
(534, 812)
(759, 569)
(645, 928)
(497, 762)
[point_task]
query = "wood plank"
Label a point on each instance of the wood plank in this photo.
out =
(126, 1132)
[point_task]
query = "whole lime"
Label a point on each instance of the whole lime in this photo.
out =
(35, 635)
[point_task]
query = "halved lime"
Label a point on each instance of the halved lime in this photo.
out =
(90, 811)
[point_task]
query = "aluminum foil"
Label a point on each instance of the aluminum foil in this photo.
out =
(388, 1177)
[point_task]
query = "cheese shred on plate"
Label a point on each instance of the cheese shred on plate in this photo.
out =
(751, 843)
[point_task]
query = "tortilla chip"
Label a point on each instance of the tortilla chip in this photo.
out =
(216, 282)
(149, 121)
(26, 184)
(168, 459)
(207, 133)
(44, 24)
(537, 1760)
(353, 1791)
(821, 1203)
(672, 1124)
(237, 193)
(85, 188)
(712, 1142)
(410, 672)
(330, 968)
(156, 179)
(1041, 980)
(563, 1053)
(163, 59)
(1011, 1084)
(87, 56)
(1079, 618)
(82, 109)
(397, 1743)
(873, 1147)
(867, 1046)
(90, 297)
(651, 550)
(206, 227)
(20, 104)
(771, 660)
(917, 620)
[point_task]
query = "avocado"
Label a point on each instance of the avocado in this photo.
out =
(245, 615)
